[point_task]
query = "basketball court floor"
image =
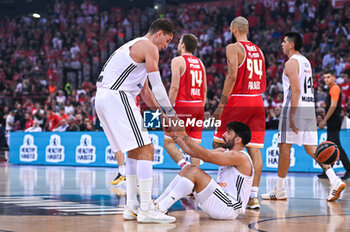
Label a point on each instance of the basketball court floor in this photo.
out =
(51, 198)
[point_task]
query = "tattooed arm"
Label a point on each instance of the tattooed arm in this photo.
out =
(232, 52)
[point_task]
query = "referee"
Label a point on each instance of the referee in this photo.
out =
(333, 119)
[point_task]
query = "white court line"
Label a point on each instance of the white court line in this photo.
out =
(102, 213)
(28, 201)
(20, 199)
(78, 207)
(24, 197)
(89, 210)
(43, 203)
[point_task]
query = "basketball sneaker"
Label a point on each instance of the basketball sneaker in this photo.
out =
(346, 175)
(253, 203)
(129, 214)
(118, 180)
(154, 215)
(275, 195)
(337, 187)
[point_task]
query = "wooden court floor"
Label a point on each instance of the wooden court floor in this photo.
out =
(42, 198)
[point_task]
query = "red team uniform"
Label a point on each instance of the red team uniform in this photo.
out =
(189, 103)
(245, 103)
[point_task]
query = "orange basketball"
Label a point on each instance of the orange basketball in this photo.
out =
(327, 152)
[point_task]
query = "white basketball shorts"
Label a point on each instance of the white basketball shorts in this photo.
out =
(121, 120)
(307, 131)
(216, 203)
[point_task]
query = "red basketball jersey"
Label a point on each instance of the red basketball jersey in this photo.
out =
(192, 80)
(251, 75)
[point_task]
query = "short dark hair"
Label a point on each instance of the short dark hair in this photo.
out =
(242, 130)
(190, 41)
(162, 24)
(296, 39)
(330, 71)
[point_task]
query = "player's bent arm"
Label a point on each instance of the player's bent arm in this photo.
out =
(158, 90)
(211, 156)
(148, 98)
(232, 52)
(292, 72)
(176, 65)
(184, 147)
(151, 57)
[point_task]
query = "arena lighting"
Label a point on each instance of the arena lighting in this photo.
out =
(36, 15)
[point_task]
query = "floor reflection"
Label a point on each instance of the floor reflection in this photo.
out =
(81, 191)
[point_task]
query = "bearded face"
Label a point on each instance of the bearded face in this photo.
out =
(229, 143)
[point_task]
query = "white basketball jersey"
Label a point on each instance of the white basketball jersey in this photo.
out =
(121, 72)
(236, 184)
(306, 105)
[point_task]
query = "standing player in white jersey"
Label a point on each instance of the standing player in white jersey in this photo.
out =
(125, 75)
(226, 198)
(298, 120)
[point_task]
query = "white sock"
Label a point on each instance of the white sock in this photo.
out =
(131, 184)
(281, 183)
(131, 192)
(168, 189)
(121, 170)
(254, 192)
(145, 175)
(183, 187)
(331, 175)
(145, 193)
(182, 163)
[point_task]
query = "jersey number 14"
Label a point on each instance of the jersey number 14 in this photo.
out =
(196, 77)
(308, 85)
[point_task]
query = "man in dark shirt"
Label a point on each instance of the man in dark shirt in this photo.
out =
(71, 124)
(333, 118)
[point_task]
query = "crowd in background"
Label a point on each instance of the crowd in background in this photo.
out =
(48, 66)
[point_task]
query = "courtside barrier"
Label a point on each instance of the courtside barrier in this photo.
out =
(93, 149)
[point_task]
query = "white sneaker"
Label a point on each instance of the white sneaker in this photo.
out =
(154, 216)
(275, 195)
(337, 187)
(129, 214)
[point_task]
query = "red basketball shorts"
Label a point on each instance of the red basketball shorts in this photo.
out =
(189, 111)
(248, 109)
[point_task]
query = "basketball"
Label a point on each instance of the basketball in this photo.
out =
(327, 152)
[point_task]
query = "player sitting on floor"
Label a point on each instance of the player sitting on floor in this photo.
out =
(229, 197)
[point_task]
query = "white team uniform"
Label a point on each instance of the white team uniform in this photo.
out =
(118, 84)
(305, 117)
(227, 198)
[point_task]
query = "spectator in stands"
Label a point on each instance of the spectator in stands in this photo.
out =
(89, 126)
(19, 117)
(62, 114)
(34, 53)
(60, 99)
(35, 128)
(3, 141)
(29, 121)
(79, 121)
(69, 108)
(10, 121)
(52, 119)
(319, 119)
(62, 126)
(71, 124)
